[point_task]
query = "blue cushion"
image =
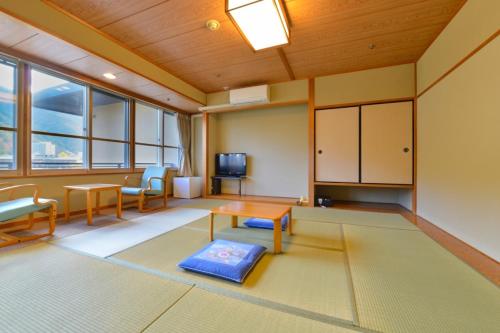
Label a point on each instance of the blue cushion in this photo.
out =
(19, 207)
(156, 184)
(131, 190)
(265, 224)
(137, 191)
(225, 259)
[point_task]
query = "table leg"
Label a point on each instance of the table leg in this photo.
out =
(66, 204)
(290, 225)
(119, 203)
(277, 236)
(211, 226)
(234, 221)
(97, 202)
(89, 208)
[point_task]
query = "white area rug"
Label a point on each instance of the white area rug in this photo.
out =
(106, 241)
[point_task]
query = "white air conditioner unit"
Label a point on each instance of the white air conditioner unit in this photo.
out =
(250, 95)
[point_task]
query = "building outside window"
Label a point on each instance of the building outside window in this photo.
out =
(58, 122)
(73, 125)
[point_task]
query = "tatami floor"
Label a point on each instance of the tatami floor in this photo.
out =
(342, 271)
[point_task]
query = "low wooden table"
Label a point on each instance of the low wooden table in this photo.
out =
(89, 189)
(253, 209)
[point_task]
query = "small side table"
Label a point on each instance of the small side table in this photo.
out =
(89, 189)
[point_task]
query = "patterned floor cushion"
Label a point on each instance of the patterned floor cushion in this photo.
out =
(225, 259)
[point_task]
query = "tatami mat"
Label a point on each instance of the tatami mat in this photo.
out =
(405, 282)
(47, 289)
(302, 277)
(106, 241)
(204, 203)
(353, 217)
(201, 311)
(306, 233)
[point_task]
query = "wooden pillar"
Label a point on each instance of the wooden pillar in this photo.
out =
(414, 193)
(205, 159)
(311, 143)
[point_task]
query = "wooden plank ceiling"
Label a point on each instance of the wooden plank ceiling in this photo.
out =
(20, 39)
(327, 36)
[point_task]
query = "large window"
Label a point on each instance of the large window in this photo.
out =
(58, 122)
(75, 127)
(8, 115)
(110, 129)
(156, 137)
(148, 135)
(171, 152)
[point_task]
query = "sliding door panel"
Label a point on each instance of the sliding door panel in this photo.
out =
(387, 143)
(337, 145)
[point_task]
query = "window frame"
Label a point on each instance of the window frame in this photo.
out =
(92, 138)
(17, 129)
(24, 131)
(30, 131)
(161, 146)
(176, 166)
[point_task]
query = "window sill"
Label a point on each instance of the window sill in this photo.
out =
(64, 173)
(74, 172)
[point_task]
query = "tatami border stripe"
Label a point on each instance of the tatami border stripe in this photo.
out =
(350, 283)
(168, 308)
(363, 225)
(269, 240)
(331, 320)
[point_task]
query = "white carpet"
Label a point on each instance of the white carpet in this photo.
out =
(106, 241)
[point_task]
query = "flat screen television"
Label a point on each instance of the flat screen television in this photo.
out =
(231, 164)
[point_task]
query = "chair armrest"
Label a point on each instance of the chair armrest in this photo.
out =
(5, 184)
(129, 176)
(150, 182)
(12, 190)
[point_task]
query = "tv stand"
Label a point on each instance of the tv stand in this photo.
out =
(217, 183)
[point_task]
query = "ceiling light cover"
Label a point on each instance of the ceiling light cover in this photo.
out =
(261, 22)
(110, 76)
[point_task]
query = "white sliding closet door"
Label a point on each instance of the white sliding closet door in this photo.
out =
(337, 145)
(387, 143)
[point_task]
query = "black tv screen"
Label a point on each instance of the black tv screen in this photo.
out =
(231, 164)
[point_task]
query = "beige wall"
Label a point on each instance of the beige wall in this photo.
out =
(276, 143)
(370, 85)
(279, 92)
(287, 127)
(474, 23)
(52, 187)
(459, 136)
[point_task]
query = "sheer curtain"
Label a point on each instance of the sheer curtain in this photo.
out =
(184, 125)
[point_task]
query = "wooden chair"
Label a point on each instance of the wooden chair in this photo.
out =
(153, 185)
(15, 208)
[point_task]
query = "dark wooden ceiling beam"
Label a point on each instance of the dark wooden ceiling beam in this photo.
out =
(285, 62)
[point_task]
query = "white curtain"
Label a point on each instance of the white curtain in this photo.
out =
(184, 125)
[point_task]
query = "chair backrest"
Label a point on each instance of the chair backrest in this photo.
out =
(154, 171)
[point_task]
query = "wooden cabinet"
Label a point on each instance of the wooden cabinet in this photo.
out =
(387, 143)
(370, 144)
(337, 145)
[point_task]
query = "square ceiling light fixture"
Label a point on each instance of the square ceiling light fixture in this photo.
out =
(262, 23)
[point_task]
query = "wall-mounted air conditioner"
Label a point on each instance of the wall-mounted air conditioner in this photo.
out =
(250, 95)
(244, 96)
